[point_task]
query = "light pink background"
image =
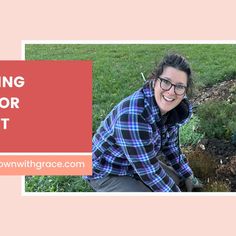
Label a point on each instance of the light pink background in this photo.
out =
(117, 20)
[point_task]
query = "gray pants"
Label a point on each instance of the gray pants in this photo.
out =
(112, 183)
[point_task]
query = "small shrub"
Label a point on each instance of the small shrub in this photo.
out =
(202, 164)
(217, 119)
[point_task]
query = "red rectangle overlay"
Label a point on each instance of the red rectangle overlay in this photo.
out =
(49, 110)
(46, 165)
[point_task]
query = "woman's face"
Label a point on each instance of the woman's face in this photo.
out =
(168, 100)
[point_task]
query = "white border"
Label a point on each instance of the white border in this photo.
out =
(131, 194)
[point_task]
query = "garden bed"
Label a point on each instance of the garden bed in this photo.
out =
(221, 151)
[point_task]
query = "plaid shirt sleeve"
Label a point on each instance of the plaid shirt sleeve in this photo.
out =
(134, 135)
(174, 155)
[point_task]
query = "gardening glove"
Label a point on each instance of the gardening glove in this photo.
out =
(192, 182)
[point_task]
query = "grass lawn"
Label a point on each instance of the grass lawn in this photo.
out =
(116, 74)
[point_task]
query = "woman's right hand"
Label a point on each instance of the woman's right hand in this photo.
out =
(193, 182)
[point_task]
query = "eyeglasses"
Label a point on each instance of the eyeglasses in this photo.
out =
(167, 85)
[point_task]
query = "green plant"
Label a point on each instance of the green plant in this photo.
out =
(217, 119)
(189, 134)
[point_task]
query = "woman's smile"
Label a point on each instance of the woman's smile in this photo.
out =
(168, 99)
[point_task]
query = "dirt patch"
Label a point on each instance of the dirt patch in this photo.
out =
(223, 151)
(227, 172)
(224, 91)
(224, 154)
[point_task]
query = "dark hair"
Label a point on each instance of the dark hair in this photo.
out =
(178, 62)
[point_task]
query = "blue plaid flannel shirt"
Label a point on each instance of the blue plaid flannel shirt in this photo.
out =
(131, 137)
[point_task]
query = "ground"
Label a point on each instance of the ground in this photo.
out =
(223, 152)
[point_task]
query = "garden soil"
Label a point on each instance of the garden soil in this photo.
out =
(223, 151)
